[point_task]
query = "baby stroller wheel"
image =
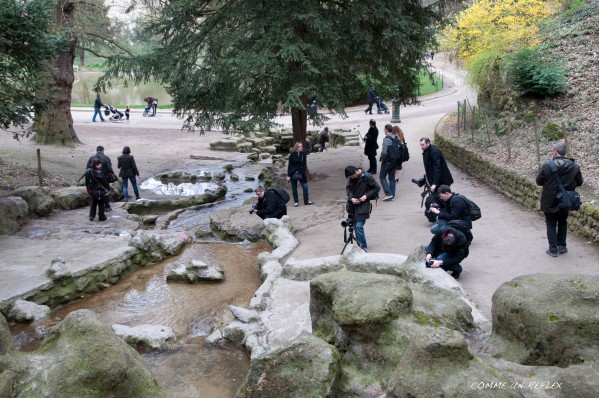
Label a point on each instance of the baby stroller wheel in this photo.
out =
(145, 113)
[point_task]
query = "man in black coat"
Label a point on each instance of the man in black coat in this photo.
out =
(454, 208)
(370, 145)
(447, 249)
(270, 205)
(361, 188)
(106, 169)
(556, 219)
(435, 166)
(370, 96)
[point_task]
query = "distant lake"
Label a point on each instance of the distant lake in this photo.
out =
(118, 95)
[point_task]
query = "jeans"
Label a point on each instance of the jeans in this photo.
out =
(97, 111)
(126, 187)
(437, 226)
(360, 235)
(557, 229)
(456, 270)
(388, 170)
(294, 190)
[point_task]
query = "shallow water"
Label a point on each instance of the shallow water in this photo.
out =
(189, 368)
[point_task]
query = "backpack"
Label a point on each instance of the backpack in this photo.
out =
(461, 226)
(473, 208)
(394, 152)
(281, 193)
(405, 154)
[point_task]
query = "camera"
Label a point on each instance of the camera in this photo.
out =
(429, 263)
(348, 223)
(420, 182)
(252, 209)
(435, 205)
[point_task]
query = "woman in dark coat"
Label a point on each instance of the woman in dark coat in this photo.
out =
(370, 146)
(296, 171)
(128, 172)
(98, 189)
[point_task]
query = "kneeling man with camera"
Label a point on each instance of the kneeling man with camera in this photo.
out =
(270, 205)
(448, 248)
(361, 188)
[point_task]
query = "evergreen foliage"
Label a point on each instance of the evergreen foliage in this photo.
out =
(536, 76)
(237, 64)
(26, 49)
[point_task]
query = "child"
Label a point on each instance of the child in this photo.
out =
(127, 110)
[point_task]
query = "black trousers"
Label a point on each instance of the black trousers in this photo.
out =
(557, 229)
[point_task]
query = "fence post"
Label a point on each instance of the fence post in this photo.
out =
(537, 142)
(39, 167)
(565, 134)
(509, 138)
(465, 117)
(459, 119)
(473, 118)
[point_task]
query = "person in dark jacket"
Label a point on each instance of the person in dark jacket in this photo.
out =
(361, 188)
(447, 249)
(152, 104)
(370, 97)
(106, 169)
(556, 219)
(269, 205)
(454, 208)
(98, 189)
(323, 138)
(128, 172)
(296, 171)
(98, 108)
(388, 165)
(435, 166)
(371, 145)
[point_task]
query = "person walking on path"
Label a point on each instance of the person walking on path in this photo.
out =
(370, 146)
(98, 189)
(98, 108)
(370, 97)
(435, 166)
(556, 219)
(323, 138)
(296, 171)
(106, 169)
(128, 172)
(389, 163)
(361, 188)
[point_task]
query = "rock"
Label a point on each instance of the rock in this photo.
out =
(547, 319)
(253, 157)
(13, 214)
(158, 245)
(195, 271)
(152, 336)
(234, 177)
(23, 311)
(308, 367)
(71, 197)
(226, 144)
(244, 315)
(58, 270)
(80, 357)
(38, 199)
(271, 149)
(264, 155)
(244, 147)
(234, 224)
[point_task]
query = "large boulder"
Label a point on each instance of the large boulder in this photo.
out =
(13, 214)
(71, 197)
(81, 357)
(547, 319)
(39, 199)
(308, 367)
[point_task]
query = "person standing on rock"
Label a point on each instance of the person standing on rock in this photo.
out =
(370, 145)
(128, 172)
(361, 188)
(106, 169)
(98, 189)
(556, 219)
(296, 171)
(435, 166)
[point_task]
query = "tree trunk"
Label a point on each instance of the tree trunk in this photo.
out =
(54, 125)
(299, 121)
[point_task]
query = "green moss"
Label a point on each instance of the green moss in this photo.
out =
(552, 132)
(426, 320)
(553, 318)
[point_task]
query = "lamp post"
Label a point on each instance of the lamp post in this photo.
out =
(395, 111)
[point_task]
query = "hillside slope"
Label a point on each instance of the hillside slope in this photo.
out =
(575, 42)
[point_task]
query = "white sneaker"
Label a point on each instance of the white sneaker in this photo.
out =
(388, 198)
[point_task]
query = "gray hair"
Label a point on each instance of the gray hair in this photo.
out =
(560, 148)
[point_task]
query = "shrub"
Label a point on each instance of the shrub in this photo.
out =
(534, 75)
(552, 132)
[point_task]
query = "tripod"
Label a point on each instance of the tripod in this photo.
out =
(348, 230)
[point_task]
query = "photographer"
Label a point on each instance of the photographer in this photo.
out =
(361, 188)
(447, 249)
(269, 205)
(435, 166)
(454, 208)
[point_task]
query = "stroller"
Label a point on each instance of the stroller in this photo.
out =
(147, 110)
(380, 106)
(116, 116)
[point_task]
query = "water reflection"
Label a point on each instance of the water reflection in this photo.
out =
(177, 187)
(118, 95)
